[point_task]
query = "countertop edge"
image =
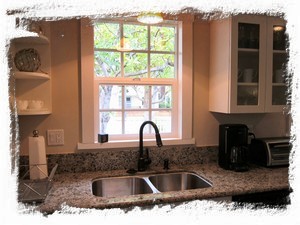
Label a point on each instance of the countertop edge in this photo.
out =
(74, 189)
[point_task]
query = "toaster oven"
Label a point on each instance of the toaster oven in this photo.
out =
(270, 151)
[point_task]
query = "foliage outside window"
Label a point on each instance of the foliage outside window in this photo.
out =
(137, 85)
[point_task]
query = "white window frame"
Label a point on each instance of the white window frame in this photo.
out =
(124, 81)
(184, 94)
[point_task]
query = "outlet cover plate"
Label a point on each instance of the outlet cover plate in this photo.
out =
(55, 137)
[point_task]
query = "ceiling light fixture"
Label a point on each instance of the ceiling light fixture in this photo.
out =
(278, 28)
(150, 18)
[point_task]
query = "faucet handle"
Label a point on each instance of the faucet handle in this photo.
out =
(147, 161)
(144, 161)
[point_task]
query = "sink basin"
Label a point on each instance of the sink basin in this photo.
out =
(120, 186)
(147, 184)
(178, 181)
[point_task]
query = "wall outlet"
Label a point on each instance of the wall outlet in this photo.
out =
(55, 137)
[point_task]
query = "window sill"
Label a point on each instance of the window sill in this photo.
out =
(130, 144)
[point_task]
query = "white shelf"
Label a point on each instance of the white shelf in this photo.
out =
(40, 39)
(279, 52)
(31, 75)
(279, 84)
(248, 50)
(34, 112)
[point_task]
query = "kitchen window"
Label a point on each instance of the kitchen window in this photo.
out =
(137, 76)
(135, 84)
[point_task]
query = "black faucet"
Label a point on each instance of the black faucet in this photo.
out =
(144, 159)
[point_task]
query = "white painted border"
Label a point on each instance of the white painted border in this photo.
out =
(185, 78)
(133, 143)
(194, 212)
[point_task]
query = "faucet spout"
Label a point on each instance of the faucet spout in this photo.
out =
(157, 135)
(158, 140)
(145, 160)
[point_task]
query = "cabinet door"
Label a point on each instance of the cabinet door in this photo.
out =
(276, 89)
(248, 64)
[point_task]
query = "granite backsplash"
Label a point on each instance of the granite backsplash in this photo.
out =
(118, 159)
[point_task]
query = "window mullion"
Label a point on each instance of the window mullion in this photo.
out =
(122, 53)
(122, 76)
(123, 109)
(148, 50)
(149, 75)
(141, 81)
(150, 105)
(135, 51)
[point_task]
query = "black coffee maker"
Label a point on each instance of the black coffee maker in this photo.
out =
(233, 147)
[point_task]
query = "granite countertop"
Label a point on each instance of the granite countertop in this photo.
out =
(75, 189)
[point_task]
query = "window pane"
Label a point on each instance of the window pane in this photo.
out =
(110, 97)
(137, 97)
(163, 120)
(135, 65)
(133, 121)
(161, 97)
(107, 64)
(110, 122)
(106, 35)
(137, 36)
(162, 38)
(162, 66)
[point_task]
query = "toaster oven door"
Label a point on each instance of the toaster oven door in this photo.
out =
(279, 154)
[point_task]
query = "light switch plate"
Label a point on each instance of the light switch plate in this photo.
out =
(55, 137)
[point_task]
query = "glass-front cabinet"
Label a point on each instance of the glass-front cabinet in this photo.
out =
(276, 93)
(247, 65)
(249, 59)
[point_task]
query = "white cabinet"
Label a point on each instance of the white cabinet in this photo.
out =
(243, 64)
(276, 90)
(33, 87)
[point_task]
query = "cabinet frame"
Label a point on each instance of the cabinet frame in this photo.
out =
(234, 107)
(224, 50)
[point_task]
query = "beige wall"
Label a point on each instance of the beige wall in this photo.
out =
(65, 90)
(65, 45)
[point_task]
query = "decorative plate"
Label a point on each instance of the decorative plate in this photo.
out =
(27, 60)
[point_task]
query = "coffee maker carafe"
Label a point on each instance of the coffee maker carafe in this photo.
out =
(233, 147)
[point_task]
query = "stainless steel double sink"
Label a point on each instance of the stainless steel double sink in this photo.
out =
(147, 184)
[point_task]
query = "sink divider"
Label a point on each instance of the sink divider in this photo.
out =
(153, 188)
